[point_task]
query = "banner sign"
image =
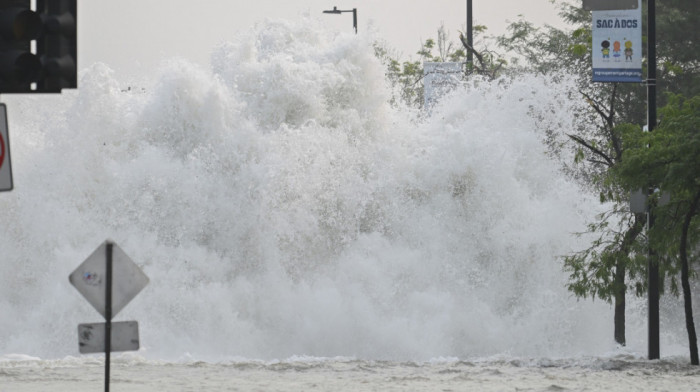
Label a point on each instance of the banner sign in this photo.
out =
(617, 45)
(439, 79)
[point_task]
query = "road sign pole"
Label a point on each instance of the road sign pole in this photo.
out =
(108, 279)
(108, 312)
(652, 264)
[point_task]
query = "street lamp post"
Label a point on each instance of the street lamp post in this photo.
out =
(470, 36)
(652, 264)
(335, 10)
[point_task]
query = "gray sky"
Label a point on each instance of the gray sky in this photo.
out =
(133, 36)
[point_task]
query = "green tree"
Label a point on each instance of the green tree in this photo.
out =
(677, 38)
(601, 270)
(613, 261)
(406, 77)
(616, 259)
(669, 157)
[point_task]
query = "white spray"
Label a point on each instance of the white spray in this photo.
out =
(282, 207)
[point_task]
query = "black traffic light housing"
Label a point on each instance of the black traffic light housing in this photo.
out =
(19, 25)
(57, 46)
(38, 48)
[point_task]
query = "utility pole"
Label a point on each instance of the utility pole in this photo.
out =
(652, 265)
(470, 36)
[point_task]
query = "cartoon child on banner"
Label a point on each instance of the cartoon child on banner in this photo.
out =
(628, 51)
(616, 50)
(606, 49)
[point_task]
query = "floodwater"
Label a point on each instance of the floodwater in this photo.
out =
(621, 373)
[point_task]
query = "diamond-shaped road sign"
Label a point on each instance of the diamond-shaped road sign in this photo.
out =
(90, 279)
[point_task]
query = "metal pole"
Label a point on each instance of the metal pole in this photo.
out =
(354, 19)
(652, 265)
(470, 37)
(108, 313)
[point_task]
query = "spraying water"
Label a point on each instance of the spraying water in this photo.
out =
(282, 207)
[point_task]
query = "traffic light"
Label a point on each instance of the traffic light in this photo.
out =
(57, 46)
(19, 67)
(38, 49)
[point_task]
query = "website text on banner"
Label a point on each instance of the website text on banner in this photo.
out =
(617, 45)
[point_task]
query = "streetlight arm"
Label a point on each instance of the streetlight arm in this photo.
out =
(335, 10)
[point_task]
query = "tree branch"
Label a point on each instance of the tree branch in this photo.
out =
(597, 106)
(616, 142)
(593, 149)
(482, 62)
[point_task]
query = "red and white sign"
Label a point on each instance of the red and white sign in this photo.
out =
(5, 166)
(2, 150)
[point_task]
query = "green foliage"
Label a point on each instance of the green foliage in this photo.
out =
(610, 153)
(598, 151)
(592, 271)
(678, 35)
(406, 76)
(670, 155)
(668, 158)
(617, 250)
